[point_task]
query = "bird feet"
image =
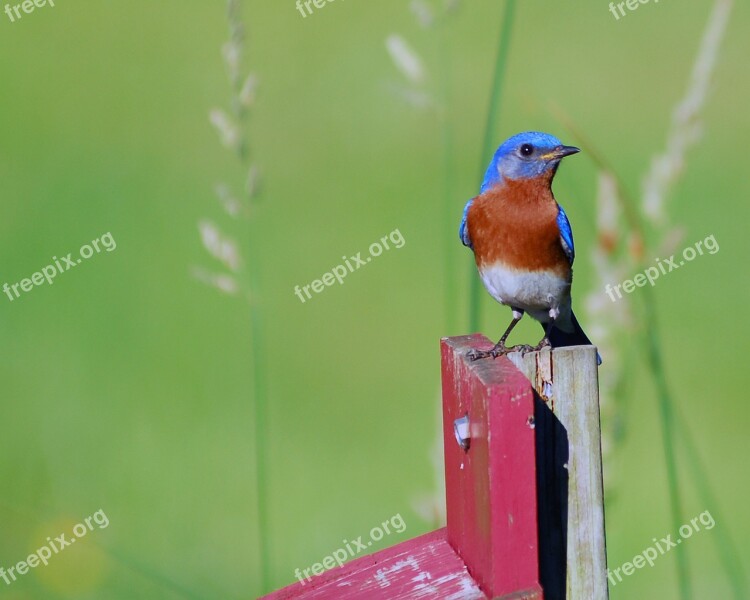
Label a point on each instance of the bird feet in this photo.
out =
(497, 350)
(502, 350)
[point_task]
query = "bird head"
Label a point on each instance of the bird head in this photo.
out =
(526, 155)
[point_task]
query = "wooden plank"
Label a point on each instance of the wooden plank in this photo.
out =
(571, 509)
(425, 568)
(491, 486)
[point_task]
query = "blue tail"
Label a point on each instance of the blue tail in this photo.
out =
(559, 338)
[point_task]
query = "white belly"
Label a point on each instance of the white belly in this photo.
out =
(537, 292)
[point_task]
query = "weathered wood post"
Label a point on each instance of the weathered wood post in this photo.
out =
(569, 461)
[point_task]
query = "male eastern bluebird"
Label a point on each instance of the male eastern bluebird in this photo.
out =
(522, 240)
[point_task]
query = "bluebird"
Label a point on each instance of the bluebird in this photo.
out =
(522, 240)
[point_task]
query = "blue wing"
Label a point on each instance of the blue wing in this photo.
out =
(463, 232)
(566, 234)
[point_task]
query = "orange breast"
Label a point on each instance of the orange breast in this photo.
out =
(516, 224)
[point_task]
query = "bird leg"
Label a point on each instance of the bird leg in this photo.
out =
(544, 342)
(500, 348)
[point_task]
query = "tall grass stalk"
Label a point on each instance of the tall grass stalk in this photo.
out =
(725, 546)
(651, 340)
(257, 332)
(666, 168)
(438, 19)
(241, 203)
(450, 289)
(490, 133)
(655, 363)
(654, 352)
(431, 505)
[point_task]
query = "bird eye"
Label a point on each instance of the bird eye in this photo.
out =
(527, 150)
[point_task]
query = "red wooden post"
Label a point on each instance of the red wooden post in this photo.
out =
(489, 548)
(491, 487)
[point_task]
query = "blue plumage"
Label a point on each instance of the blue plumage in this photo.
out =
(566, 234)
(508, 163)
(463, 232)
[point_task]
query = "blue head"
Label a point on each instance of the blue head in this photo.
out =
(526, 156)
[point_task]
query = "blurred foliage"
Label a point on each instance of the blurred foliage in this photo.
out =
(128, 382)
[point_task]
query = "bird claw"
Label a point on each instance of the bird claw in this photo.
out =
(477, 354)
(545, 343)
(494, 353)
(525, 349)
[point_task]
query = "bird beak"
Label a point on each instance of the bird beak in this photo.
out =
(560, 152)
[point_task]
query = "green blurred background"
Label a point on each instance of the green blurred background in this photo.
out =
(127, 382)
